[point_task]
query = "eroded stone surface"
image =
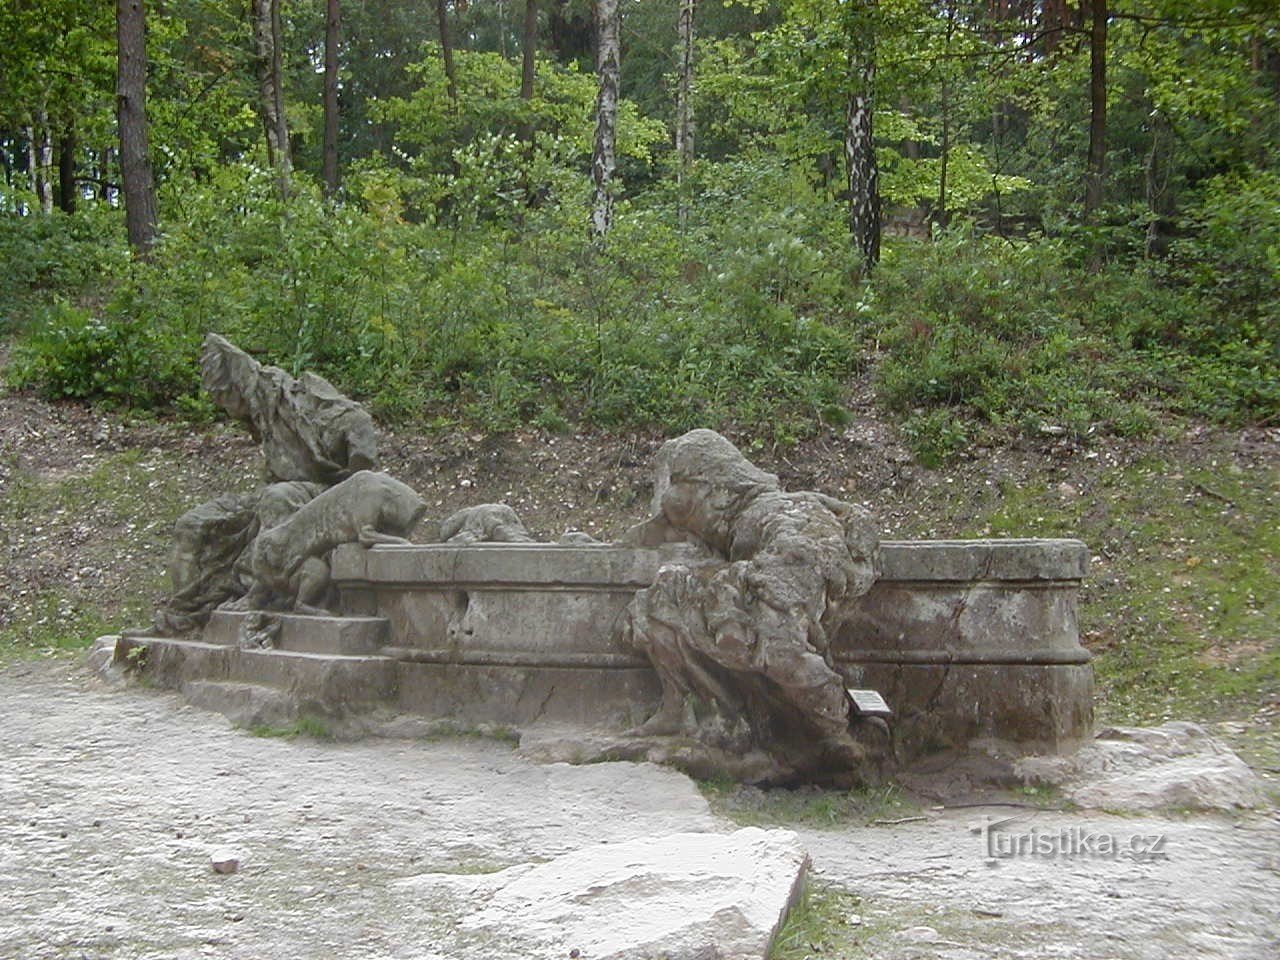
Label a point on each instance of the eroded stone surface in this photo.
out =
(1174, 766)
(741, 640)
(114, 802)
(484, 523)
(685, 896)
(308, 429)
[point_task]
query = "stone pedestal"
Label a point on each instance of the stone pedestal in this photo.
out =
(966, 639)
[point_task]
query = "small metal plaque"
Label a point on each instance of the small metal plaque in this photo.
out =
(869, 703)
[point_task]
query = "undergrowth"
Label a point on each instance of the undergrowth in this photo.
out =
(749, 318)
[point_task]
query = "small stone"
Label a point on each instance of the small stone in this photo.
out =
(918, 934)
(225, 862)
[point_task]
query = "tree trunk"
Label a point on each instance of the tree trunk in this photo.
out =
(446, 50)
(135, 136)
(332, 37)
(1159, 189)
(940, 214)
(859, 141)
(528, 64)
(67, 193)
(269, 66)
(529, 50)
(44, 161)
(685, 128)
(32, 161)
(1096, 171)
(604, 162)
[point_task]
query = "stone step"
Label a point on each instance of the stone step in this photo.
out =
(322, 683)
(244, 704)
(319, 682)
(348, 636)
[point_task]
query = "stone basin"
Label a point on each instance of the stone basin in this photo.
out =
(967, 639)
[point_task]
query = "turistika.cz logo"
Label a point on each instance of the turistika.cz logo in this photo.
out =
(1002, 843)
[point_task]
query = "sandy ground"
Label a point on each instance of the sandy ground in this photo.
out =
(114, 800)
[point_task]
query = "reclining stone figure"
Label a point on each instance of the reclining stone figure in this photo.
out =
(738, 628)
(484, 523)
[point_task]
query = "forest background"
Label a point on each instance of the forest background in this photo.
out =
(1079, 206)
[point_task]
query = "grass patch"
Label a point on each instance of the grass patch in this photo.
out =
(80, 550)
(305, 726)
(804, 806)
(1181, 610)
(827, 922)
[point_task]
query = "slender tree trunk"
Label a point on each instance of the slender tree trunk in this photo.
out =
(859, 140)
(529, 50)
(1096, 171)
(104, 175)
(604, 162)
(940, 215)
(269, 66)
(332, 37)
(44, 161)
(67, 192)
(1159, 189)
(135, 136)
(32, 162)
(685, 128)
(528, 64)
(446, 50)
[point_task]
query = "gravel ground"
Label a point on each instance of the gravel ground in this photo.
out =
(114, 801)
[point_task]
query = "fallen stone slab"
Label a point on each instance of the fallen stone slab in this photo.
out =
(1174, 766)
(685, 896)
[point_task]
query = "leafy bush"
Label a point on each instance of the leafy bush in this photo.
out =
(57, 255)
(72, 354)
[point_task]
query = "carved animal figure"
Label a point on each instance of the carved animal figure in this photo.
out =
(289, 562)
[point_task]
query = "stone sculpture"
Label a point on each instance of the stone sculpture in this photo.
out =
(312, 437)
(308, 430)
(484, 523)
(289, 561)
(738, 627)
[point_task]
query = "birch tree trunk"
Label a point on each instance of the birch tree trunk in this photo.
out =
(685, 129)
(44, 161)
(268, 64)
(604, 162)
(1096, 172)
(859, 139)
(136, 175)
(332, 38)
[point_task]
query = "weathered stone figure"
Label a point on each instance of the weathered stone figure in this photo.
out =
(308, 430)
(484, 523)
(312, 437)
(738, 632)
(289, 561)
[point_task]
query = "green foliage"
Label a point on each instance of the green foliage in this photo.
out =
(70, 354)
(1014, 334)
(54, 256)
